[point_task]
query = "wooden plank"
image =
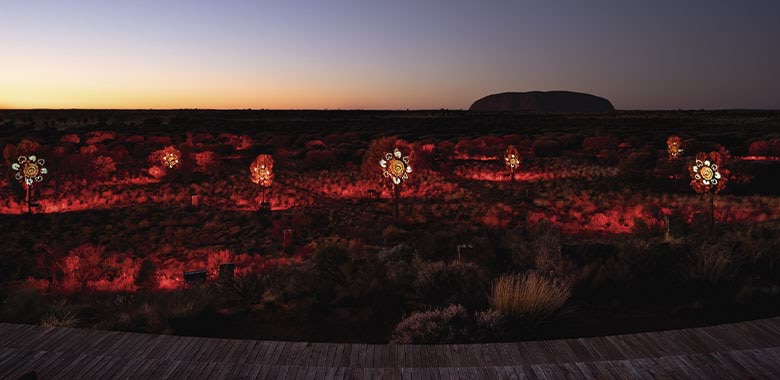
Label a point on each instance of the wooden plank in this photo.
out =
(43, 341)
(166, 349)
(681, 364)
(185, 351)
(217, 347)
(133, 344)
(223, 347)
(562, 352)
(263, 372)
(360, 355)
(89, 367)
(330, 374)
(258, 352)
(318, 355)
(241, 353)
(295, 354)
(280, 348)
(193, 371)
(23, 363)
(273, 370)
(338, 357)
(40, 334)
(126, 369)
(287, 372)
(170, 369)
(17, 334)
(341, 373)
(450, 354)
(487, 355)
(64, 373)
(52, 367)
(110, 367)
(752, 364)
(156, 369)
(208, 371)
(255, 371)
(381, 356)
(416, 356)
(141, 372)
(209, 345)
(571, 371)
(626, 369)
(704, 366)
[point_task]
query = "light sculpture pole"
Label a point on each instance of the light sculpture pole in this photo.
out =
(708, 176)
(261, 171)
(29, 171)
(170, 157)
(396, 167)
(512, 161)
(674, 147)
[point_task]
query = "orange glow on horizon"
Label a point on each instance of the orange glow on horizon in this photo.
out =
(92, 83)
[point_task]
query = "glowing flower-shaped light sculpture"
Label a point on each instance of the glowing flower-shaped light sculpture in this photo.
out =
(396, 167)
(29, 171)
(674, 147)
(170, 157)
(708, 176)
(262, 173)
(707, 173)
(512, 160)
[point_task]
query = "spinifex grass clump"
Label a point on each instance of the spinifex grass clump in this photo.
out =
(530, 297)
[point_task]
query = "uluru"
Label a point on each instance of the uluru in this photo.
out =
(543, 102)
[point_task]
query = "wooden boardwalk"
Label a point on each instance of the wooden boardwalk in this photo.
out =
(734, 351)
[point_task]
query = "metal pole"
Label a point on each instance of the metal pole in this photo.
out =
(27, 199)
(396, 195)
(712, 210)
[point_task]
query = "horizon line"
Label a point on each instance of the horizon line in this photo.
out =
(383, 110)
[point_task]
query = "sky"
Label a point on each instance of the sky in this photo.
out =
(363, 54)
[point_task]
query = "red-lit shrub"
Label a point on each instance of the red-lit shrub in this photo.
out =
(70, 138)
(319, 159)
(764, 148)
(637, 166)
(206, 162)
(598, 143)
(103, 167)
(97, 137)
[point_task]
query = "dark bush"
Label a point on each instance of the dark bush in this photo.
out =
(637, 166)
(547, 147)
(441, 326)
(319, 159)
(440, 284)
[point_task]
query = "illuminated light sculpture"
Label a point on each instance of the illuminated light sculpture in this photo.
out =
(512, 160)
(170, 157)
(674, 147)
(262, 172)
(708, 176)
(396, 167)
(29, 171)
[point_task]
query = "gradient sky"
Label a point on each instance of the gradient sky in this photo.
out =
(391, 55)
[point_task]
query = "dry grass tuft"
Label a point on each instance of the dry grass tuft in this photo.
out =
(530, 296)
